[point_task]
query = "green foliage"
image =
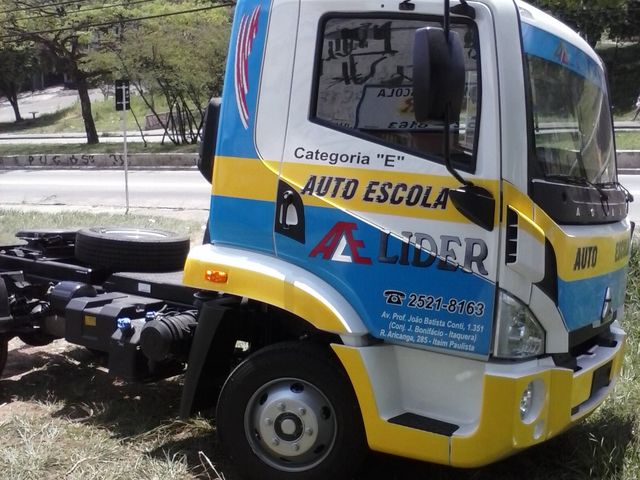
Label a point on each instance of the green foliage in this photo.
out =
(62, 31)
(68, 120)
(623, 68)
(178, 57)
(627, 22)
(591, 18)
(164, 47)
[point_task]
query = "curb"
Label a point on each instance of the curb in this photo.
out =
(99, 161)
(628, 161)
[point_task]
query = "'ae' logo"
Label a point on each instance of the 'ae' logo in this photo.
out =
(339, 245)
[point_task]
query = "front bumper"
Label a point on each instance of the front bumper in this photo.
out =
(494, 429)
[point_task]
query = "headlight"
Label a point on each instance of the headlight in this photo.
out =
(518, 333)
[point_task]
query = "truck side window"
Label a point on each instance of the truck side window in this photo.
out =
(364, 86)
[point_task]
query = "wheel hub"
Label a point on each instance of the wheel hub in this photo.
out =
(288, 427)
(290, 424)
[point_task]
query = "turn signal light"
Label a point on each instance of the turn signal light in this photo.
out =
(216, 276)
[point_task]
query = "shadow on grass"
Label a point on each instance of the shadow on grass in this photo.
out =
(193, 448)
(73, 379)
(45, 120)
(133, 411)
(130, 411)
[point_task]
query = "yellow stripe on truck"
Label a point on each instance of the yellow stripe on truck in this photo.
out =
(245, 178)
(602, 254)
(353, 189)
(383, 192)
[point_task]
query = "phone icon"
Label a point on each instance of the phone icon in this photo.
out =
(394, 297)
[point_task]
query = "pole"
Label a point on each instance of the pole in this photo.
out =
(123, 116)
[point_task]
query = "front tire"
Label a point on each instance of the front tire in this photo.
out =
(4, 352)
(289, 412)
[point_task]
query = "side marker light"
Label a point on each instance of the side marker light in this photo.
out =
(216, 276)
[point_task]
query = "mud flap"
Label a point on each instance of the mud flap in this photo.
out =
(210, 355)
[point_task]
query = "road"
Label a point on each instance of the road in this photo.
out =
(632, 183)
(148, 190)
(99, 189)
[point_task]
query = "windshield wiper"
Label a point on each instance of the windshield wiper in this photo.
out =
(615, 184)
(575, 180)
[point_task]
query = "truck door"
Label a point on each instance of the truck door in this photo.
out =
(363, 198)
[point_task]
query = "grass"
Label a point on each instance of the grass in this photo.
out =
(70, 119)
(62, 416)
(628, 140)
(35, 441)
(12, 221)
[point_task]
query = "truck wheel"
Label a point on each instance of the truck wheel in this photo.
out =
(132, 249)
(289, 412)
(4, 351)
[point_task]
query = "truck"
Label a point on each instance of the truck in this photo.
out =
(417, 243)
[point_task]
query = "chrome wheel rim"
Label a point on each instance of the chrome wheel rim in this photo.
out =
(290, 424)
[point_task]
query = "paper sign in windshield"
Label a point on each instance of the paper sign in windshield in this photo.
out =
(388, 108)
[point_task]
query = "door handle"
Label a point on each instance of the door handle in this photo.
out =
(289, 213)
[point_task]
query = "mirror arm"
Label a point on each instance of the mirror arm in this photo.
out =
(464, 9)
(446, 21)
(447, 150)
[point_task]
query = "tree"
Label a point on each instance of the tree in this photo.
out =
(591, 18)
(177, 57)
(18, 62)
(627, 26)
(64, 31)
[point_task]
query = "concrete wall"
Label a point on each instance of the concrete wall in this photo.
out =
(100, 160)
(628, 161)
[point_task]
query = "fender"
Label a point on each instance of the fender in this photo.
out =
(275, 282)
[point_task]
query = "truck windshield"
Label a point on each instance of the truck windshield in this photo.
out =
(572, 125)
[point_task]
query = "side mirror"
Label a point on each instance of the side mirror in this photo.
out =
(475, 203)
(209, 138)
(438, 74)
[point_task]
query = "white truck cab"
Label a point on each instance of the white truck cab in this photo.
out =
(432, 187)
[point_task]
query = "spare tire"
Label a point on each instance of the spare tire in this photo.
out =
(132, 249)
